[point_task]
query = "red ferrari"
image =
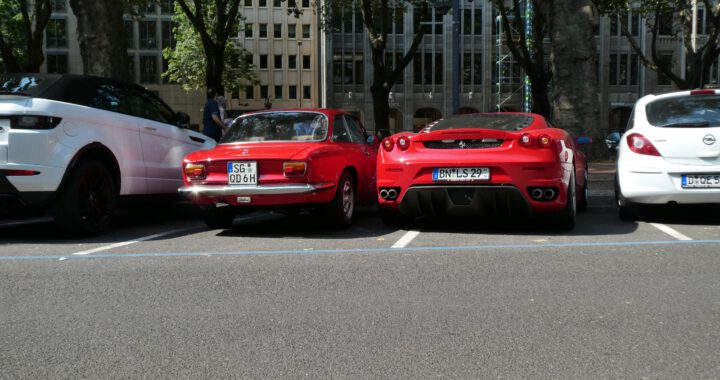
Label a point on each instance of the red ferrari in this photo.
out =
(287, 160)
(503, 165)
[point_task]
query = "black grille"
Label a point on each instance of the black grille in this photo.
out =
(464, 144)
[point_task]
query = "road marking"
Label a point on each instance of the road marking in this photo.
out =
(124, 243)
(670, 231)
(478, 249)
(406, 239)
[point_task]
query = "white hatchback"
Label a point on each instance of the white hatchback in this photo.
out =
(670, 152)
(74, 144)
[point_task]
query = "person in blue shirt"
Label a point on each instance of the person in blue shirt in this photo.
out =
(213, 126)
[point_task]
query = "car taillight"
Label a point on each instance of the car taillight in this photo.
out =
(294, 169)
(702, 92)
(403, 143)
(195, 171)
(641, 145)
(526, 140)
(388, 144)
(18, 173)
(544, 141)
(34, 122)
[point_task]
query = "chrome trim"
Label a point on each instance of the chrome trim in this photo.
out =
(210, 190)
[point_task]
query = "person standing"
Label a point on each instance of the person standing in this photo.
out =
(213, 126)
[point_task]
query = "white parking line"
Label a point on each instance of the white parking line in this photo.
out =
(406, 239)
(124, 243)
(670, 231)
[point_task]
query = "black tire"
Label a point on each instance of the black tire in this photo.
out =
(582, 204)
(627, 210)
(339, 213)
(86, 203)
(567, 217)
(393, 218)
(218, 218)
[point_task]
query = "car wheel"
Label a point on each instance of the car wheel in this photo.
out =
(627, 210)
(567, 217)
(339, 213)
(582, 203)
(218, 217)
(86, 203)
(393, 218)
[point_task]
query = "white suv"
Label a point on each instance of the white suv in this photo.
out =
(73, 144)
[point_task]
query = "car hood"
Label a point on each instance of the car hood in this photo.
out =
(255, 150)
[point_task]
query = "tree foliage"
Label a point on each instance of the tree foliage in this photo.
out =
(676, 18)
(187, 61)
(22, 32)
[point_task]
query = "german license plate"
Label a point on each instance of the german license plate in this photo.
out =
(461, 174)
(242, 173)
(694, 181)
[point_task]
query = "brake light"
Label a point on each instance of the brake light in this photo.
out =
(18, 173)
(388, 144)
(702, 92)
(294, 169)
(403, 143)
(544, 141)
(195, 171)
(34, 122)
(641, 145)
(526, 140)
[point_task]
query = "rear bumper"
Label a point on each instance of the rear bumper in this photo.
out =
(14, 203)
(266, 195)
(654, 185)
(438, 201)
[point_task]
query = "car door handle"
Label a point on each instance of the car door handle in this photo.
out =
(197, 139)
(151, 129)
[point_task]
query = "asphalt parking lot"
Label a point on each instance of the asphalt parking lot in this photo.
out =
(275, 297)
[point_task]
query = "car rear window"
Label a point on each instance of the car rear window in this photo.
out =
(503, 122)
(278, 126)
(26, 84)
(692, 111)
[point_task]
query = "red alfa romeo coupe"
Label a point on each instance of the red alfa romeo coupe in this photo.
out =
(285, 159)
(503, 165)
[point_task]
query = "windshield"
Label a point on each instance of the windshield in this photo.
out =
(694, 111)
(502, 122)
(278, 126)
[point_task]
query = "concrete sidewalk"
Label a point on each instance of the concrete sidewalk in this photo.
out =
(601, 178)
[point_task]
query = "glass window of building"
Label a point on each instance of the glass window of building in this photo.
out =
(306, 3)
(264, 92)
(167, 7)
(129, 33)
(306, 31)
(277, 3)
(263, 31)
(665, 60)
(292, 31)
(131, 65)
(168, 38)
(148, 35)
(277, 30)
(292, 62)
(263, 61)
(278, 58)
(466, 22)
(248, 30)
(56, 33)
(248, 3)
(58, 6)
(306, 92)
(148, 69)
(250, 92)
(56, 63)
(262, 3)
(477, 22)
(278, 92)
(292, 92)
(291, 4)
(306, 62)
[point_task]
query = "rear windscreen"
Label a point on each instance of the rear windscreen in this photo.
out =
(502, 122)
(25, 84)
(694, 111)
(278, 126)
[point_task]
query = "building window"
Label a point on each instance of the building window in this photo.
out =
(472, 68)
(263, 3)
(306, 3)
(278, 92)
(431, 23)
(250, 92)
(306, 62)
(277, 30)
(477, 22)
(624, 69)
(59, 6)
(129, 32)
(292, 31)
(665, 60)
(306, 92)
(264, 92)
(56, 63)
(292, 92)
(131, 65)
(148, 35)
(348, 68)
(248, 30)
(632, 21)
(263, 31)
(56, 34)
(148, 69)
(467, 22)
(306, 31)
(277, 3)
(278, 61)
(167, 7)
(248, 3)
(292, 62)
(168, 38)
(263, 61)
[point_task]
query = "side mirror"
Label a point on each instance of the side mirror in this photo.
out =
(372, 140)
(583, 140)
(612, 140)
(183, 119)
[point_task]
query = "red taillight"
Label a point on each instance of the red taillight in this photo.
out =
(641, 145)
(195, 171)
(544, 141)
(702, 92)
(526, 140)
(403, 143)
(294, 169)
(34, 122)
(388, 144)
(19, 173)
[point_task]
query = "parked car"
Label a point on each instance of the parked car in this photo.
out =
(72, 145)
(669, 153)
(320, 159)
(500, 165)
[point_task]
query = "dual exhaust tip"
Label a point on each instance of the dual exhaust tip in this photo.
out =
(543, 194)
(389, 193)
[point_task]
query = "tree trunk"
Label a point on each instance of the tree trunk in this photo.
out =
(381, 109)
(102, 38)
(576, 106)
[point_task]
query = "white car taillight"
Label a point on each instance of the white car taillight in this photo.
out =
(641, 145)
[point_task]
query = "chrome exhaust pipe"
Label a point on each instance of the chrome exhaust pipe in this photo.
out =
(392, 194)
(537, 193)
(383, 194)
(549, 193)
